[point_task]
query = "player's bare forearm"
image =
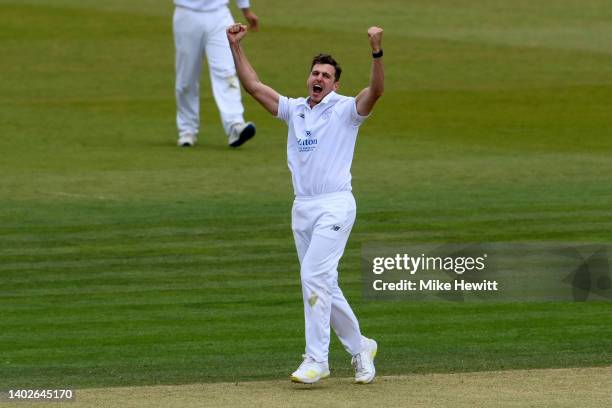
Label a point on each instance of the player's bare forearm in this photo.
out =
(367, 97)
(251, 18)
(246, 73)
(262, 93)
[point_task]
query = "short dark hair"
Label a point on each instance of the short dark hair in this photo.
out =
(329, 60)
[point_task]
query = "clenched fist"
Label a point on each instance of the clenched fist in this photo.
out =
(375, 36)
(236, 32)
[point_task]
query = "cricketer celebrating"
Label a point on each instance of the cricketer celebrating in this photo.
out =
(321, 141)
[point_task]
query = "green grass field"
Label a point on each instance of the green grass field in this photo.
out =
(125, 260)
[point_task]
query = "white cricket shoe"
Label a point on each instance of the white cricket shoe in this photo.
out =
(363, 363)
(187, 140)
(310, 371)
(240, 133)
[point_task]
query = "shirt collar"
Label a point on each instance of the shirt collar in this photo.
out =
(325, 100)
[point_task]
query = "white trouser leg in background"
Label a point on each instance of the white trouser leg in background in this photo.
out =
(189, 36)
(197, 34)
(321, 227)
(223, 78)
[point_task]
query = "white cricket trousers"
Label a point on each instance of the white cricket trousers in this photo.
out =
(321, 226)
(198, 34)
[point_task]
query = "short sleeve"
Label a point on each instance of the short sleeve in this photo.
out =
(284, 108)
(242, 4)
(356, 118)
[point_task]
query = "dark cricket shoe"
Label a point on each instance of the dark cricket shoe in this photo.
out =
(240, 133)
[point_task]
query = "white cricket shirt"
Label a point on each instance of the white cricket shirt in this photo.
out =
(209, 5)
(320, 143)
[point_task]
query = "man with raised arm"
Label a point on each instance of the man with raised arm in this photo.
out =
(322, 134)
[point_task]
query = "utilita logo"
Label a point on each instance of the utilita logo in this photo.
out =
(308, 143)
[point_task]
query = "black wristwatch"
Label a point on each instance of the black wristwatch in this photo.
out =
(377, 54)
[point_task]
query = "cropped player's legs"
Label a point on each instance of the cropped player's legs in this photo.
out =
(188, 40)
(317, 274)
(225, 84)
(342, 319)
(345, 324)
(320, 248)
